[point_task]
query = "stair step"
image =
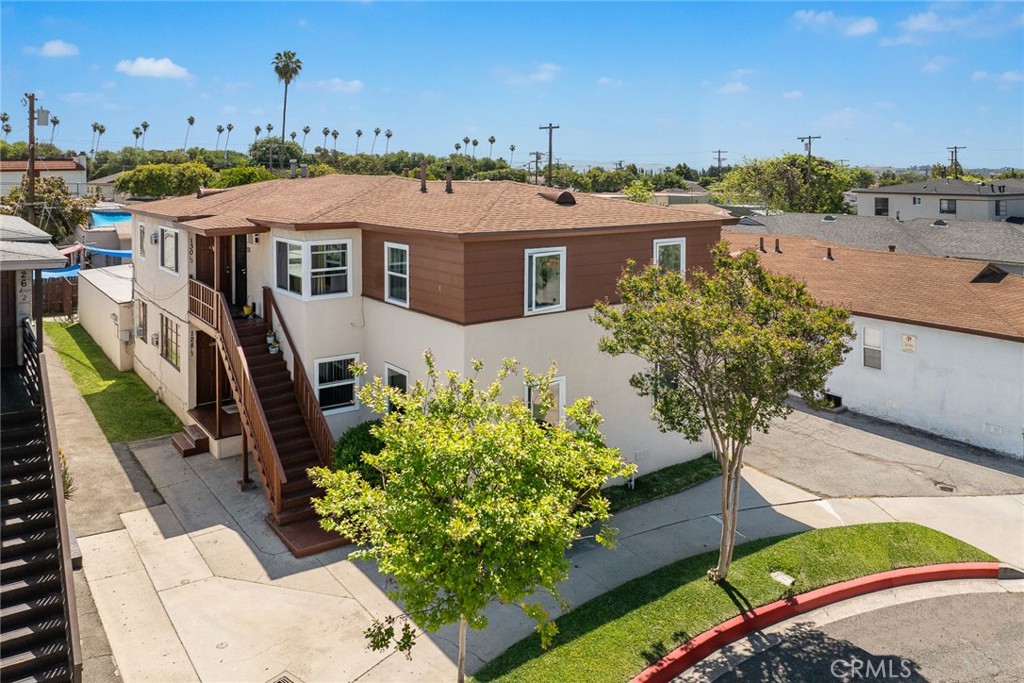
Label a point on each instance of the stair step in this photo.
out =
(30, 587)
(300, 487)
(30, 457)
(26, 502)
(196, 433)
(293, 515)
(184, 444)
(40, 657)
(28, 611)
(14, 568)
(57, 673)
(19, 418)
(30, 543)
(298, 472)
(24, 483)
(27, 522)
(20, 433)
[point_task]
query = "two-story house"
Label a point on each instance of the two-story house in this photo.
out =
(943, 198)
(72, 171)
(376, 270)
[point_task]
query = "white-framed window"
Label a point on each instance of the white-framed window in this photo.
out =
(169, 249)
(670, 254)
(170, 344)
(313, 269)
(396, 273)
(556, 413)
(336, 384)
(396, 377)
(545, 280)
(1000, 207)
(947, 206)
(916, 201)
(871, 340)
(142, 241)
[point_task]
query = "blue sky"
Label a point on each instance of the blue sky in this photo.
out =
(882, 83)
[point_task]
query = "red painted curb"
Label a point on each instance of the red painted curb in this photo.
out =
(691, 652)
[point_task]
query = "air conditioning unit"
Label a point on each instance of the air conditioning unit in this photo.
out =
(253, 239)
(155, 338)
(154, 238)
(140, 332)
(125, 336)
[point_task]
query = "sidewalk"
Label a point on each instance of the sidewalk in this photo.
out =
(191, 585)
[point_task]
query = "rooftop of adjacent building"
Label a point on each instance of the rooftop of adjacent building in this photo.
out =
(954, 187)
(21, 165)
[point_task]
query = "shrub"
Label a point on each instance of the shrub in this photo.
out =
(348, 452)
(242, 175)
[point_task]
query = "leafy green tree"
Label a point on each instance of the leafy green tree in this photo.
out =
(287, 67)
(241, 175)
(861, 177)
(261, 151)
(722, 353)
(318, 169)
(785, 184)
(44, 150)
(639, 191)
(488, 496)
(58, 212)
(165, 180)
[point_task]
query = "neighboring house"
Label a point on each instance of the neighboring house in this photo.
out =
(40, 618)
(376, 270)
(998, 242)
(944, 198)
(72, 170)
(940, 342)
(106, 311)
(692, 193)
(104, 187)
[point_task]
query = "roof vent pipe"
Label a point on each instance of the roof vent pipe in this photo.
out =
(304, 170)
(423, 176)
(292, 165)
(828, 255)
(761, 248)
(448, 178)
(892, 248)
(777, 249)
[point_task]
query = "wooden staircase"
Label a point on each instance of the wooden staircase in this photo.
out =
(192, 440)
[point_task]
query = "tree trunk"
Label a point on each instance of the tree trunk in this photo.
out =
(284, 111)
(460, 676)
(731, 481)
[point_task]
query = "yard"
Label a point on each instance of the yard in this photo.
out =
(125, 408)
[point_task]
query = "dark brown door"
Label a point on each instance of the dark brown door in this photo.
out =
(204, 260)
(224, 260)
(241, 260)
(206, 369)
(8, 319)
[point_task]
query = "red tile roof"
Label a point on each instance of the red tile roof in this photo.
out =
(924, 290)
(477, 208)
(21, 165)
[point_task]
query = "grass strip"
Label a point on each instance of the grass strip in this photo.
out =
(618, 634)
(663, 482)
(125, 408)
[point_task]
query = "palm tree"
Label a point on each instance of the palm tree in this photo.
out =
(335, 134)
(137, 132)
(7, 130)
(270, 127)
(491, 140)
(458, 146)
(326, 131)
(387, 143)
(53, 131)
(145, 126)
(5, 117)
(6, 126)
(475, 143)
(359, 134)
(376, 132)
(191, 122)
(95, 127)
(293, 135)
(100, 130)
(465, 141)
(230, 127)
(305, 132)
(220, 129)
(511, 153)
(256, 130)
(287, 67)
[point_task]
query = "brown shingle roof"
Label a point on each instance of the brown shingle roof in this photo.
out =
(478, 208)
(41, 165)
(924, 290)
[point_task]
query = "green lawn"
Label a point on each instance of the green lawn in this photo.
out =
(616, 635)
(125, 408)
(663, 482)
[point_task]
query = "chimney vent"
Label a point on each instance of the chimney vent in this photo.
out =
(423, 176)
(828, 255)
(892, 248)
(304, 170)
(292, 165)
(448, 178)
(777, 249)
(760, 246)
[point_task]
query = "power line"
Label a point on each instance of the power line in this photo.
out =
(719, 153)
(953, 161)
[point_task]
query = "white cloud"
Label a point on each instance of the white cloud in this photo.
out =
(829, 20)
(544, 73)
(150, 67)
(793, 94)
(733, 88)
(1011, 77)
(925, 21)
(979, 75)
(54, 48)
(1005, 80)
(336, 85)
(609, 82)
(935, 65)
(985, 21)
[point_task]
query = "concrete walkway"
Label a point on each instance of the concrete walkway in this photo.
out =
(190, 584)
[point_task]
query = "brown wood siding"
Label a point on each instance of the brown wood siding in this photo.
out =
(436, 283)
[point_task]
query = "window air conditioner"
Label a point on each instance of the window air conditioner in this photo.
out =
(155, 338)
(125, 335)
(140, 331)
(154, 238)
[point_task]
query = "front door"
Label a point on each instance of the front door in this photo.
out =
(8, 319)
(205, 260)
(206, 369)
(241, 256)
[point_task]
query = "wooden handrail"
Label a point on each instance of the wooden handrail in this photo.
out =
(34, 356)
(309, 404)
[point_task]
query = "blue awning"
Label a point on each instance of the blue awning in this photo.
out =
(68, 271)
(116, 253)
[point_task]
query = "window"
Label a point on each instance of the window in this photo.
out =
(169, 249)
(1000, 207)
(336, 383)
(140, 321)
(947, 206)
(881, 206)
(545, 280)
(872, 342)
(169, 347)
(396, 274)
(142, 240)
(313, 269)
(670, 254)
(396, 377)
(916, 201)
(554, 414)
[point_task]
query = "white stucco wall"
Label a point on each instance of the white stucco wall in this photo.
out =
(981, 208)
(106, 320)
(75, 180)
(960, 386)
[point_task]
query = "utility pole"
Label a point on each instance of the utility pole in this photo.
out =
(550, 128)
(719, 153)
(807, 140)
(536, 165)
(31, 157)
(842, 162)
(618, 164)
(953, 161)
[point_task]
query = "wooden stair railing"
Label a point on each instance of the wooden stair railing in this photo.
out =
(309, 404)
(211, 307)
(37, 379)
